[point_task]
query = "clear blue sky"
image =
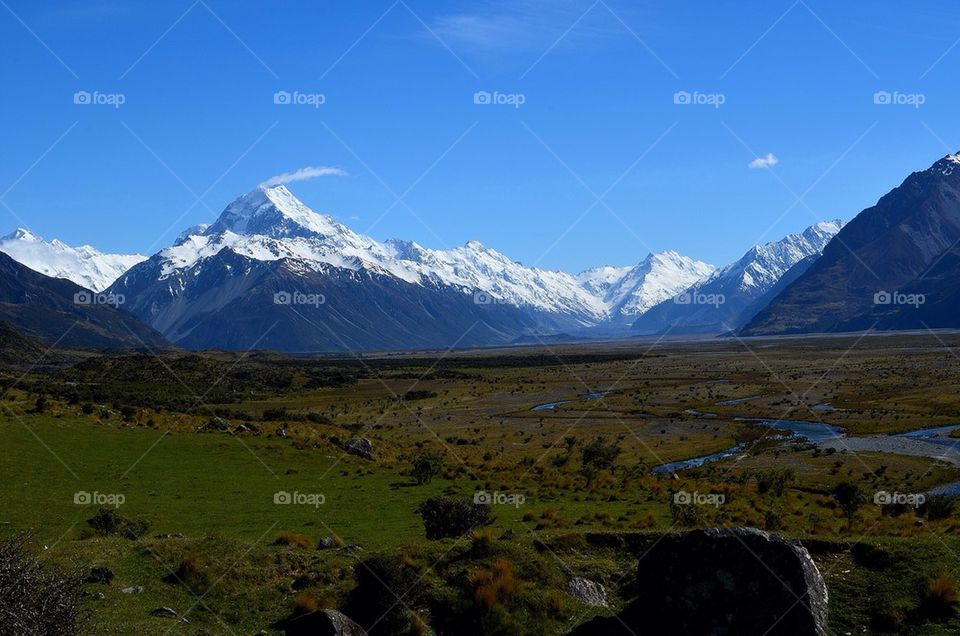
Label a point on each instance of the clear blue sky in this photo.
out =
(598, 81)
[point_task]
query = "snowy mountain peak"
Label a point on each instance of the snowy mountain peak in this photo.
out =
(628, 292)
(21, 234)
(763, 265)
(84, 265)
(273, 211)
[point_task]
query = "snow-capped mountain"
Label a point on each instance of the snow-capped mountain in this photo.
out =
(200, 291)
(599, 280)
(631, 292)
(84, 265)
(726, 300)
(477, 267)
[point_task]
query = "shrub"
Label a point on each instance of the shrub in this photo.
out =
(495, 585)
(36, 598)
(418, 395)
(452, 517)
(426, 465)
(305, 603)
(939, 599)
(100, 575)
(380, 581)
(850, 498)
(937, 507)
(109, 522)
(193, 573)
(597, 456)
(774, 481)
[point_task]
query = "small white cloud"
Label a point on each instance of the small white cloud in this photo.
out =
(310, 172)
(768, 161)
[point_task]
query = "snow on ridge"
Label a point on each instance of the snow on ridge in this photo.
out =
(84, 265)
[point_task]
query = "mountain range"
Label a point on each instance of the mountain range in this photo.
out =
(271, 273)
(728, 299)
(84, 265)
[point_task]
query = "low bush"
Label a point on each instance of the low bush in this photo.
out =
(453, 517)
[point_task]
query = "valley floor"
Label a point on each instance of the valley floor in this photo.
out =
(208, 448)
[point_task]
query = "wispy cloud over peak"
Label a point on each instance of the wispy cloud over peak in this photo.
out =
(303, 174)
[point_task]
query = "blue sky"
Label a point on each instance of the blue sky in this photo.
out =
(597, 165)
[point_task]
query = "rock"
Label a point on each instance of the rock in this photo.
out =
(327, 543)
(166, 612)
(587, 592)
(215, 424)
(723, 581)
(136, 589)
(359, 446)
(246, 427)
(326, 622)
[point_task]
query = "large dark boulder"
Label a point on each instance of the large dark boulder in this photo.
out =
(722, 582)
(325, 622)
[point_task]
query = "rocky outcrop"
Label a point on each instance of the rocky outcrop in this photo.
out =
(359, 446)
(587, 592)
(723, 582)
